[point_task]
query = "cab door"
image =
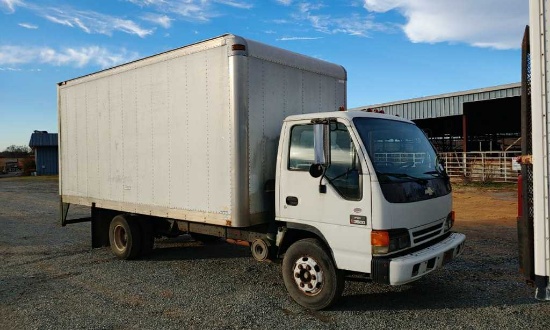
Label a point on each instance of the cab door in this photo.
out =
(338, 205)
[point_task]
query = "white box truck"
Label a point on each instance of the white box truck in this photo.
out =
(235, 139)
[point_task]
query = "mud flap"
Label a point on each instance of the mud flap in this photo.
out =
(101, 220)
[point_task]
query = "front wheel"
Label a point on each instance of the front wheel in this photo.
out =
(310, 275)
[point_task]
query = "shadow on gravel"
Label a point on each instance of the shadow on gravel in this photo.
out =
(422, 296)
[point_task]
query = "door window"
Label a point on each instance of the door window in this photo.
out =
(344, 170)
(301, 153)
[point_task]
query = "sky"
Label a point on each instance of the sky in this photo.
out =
(392, 49)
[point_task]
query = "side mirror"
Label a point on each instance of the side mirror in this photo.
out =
(319, 143)
(321, 148)
(316, 170)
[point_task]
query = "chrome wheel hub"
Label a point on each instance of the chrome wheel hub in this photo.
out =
(308, 275)
(120, 238)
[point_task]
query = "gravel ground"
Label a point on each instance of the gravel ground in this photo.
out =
(51, 279)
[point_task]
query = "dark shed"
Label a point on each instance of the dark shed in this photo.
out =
(45, 149)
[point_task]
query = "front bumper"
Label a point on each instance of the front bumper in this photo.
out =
(412, 266)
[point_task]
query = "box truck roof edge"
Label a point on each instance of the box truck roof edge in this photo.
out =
(251, 48)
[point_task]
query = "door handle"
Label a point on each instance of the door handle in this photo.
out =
(291, 200)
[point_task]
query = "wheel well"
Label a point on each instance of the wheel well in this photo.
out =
(101, 219)
(293, 235)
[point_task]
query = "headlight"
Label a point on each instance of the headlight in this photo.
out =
(387, 241)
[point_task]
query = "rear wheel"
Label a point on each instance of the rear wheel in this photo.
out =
(125, 237)
(310, 275)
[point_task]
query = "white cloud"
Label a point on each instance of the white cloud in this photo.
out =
(489, 23)
(143, 3)
(81, 25)
(92, 22)
(236, 4)
(281, 21)
(88, 21)
(28, 26)
(10, 5)
(161, 20)
(76, 57)
(298, 38)
(125, 25)
(284, 2)
(306, 7)
(352, 24)
(191, 10)
(10, 69)
(58, 21)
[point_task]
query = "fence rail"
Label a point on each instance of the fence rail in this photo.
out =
(481, 166)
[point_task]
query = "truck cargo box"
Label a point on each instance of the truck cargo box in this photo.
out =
(188, 134)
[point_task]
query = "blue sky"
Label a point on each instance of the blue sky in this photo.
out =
(391, 49)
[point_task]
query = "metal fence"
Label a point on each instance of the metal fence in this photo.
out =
(481, 166)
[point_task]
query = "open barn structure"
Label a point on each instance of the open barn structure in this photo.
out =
(477, 132)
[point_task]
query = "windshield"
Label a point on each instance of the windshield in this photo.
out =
(399, 151)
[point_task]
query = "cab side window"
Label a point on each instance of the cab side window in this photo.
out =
(344, 171)
(301, 154)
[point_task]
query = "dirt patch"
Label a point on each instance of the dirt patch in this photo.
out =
(486, 204)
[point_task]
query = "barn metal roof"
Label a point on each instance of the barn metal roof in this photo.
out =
(442, 105)
(43, 139)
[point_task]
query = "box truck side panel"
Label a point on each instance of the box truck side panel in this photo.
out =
(151, 140)
(208, 137)
(132, 154)
(195, 160)
(191, 133)
(276, 91)
(104, 141)
(90, 146)
(179, 126)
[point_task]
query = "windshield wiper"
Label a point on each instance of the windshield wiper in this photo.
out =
(405, 176)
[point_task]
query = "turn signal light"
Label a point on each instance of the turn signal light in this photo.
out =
(388, 241)
(238, 47)
(380, 241)
(380, 238)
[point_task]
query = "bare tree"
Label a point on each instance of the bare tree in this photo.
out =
(14, 151)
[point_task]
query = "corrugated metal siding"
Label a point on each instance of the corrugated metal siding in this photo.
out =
(46, 161)
(445, 104)
(43, 140)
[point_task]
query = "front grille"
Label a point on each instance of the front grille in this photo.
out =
(426, 234)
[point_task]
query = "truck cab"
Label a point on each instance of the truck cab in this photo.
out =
(379, 206)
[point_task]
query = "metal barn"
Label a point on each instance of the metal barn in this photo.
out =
(45, 149)
(486, 119)
(477, 132)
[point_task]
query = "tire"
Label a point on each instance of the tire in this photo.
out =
(261, 249)
(125, 237)
(310, 276)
